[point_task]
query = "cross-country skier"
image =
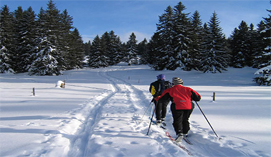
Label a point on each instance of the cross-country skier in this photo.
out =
(182, 105)
(156, 89)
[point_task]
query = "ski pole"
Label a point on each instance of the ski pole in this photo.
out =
(151, 110)
(146, 110)
(151, 119)
(207, 120)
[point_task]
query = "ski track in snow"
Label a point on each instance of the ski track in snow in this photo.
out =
(110, 120)
(99, 131)
(112, 124)
(88, 140)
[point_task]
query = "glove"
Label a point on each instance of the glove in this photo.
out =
(157, 98)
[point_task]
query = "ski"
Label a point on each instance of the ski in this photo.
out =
(162, 126)
(187, 140)
(178, 144)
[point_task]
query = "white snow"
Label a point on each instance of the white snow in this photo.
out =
(100, 113)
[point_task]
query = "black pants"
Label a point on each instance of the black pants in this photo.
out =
(161, 109)
(181, 119)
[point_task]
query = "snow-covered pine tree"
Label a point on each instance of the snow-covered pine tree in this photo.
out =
(87, 47)
(153, 51)
(164, 52)
(48, 43)
(244, 43)
(258, 55)
(26, 33)
(240, 45)
(53, 33)
(254, 42)
(214, 52)
(266, 33)
(131, 50)
(65, 42)
(265, 63)
(115, 48)
(181, 40)
(97, 58)
(6, 40)
(265, 76)
(105, 40)
(47, 55)
(19, 39)
(196, 38)
(75, 51)
(45, 62)
(143, 51)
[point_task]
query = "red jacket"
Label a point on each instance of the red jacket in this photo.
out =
(182, 96)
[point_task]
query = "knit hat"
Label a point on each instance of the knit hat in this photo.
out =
(161, 77)
(177, 81)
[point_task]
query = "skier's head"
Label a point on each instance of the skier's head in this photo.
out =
(177, 81)
(161, 77)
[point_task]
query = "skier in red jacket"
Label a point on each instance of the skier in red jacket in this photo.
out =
(182, 105)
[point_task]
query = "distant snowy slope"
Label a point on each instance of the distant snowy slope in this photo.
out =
(100, 113)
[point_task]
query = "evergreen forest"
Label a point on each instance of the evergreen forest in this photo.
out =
(47, 44)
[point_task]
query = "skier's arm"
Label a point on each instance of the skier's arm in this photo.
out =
(163, 94)
(195, 96)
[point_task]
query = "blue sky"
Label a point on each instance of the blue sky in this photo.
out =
(95, 17)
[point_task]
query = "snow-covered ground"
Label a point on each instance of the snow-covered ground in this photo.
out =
(100, 113)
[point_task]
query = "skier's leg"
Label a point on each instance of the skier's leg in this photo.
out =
(186, 124)
(177, 119)
(158, 110)
(164, 109)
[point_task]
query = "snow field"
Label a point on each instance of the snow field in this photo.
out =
(100, 113)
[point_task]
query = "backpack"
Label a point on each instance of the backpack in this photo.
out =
(157, 87)
(167, 84)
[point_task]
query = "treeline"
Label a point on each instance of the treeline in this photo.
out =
(182, 41)
(48, 44)
(109, 50)
(42, 45)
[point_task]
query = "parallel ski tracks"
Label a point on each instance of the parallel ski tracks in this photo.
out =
(81, 143)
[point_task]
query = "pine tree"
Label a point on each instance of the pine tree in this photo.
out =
(143, 51)
(196, 38)
(87, 48)
(26, 33)
(214, 52)
(254, 39)
(6, 40)
(131, 50)
(97, 58)
(115, 50)
(181, 40)
(75, 56)
(53, 33)
(65, 42)
(265, 59)
(266, 33)
(19, 40)
(174, 29)
(164, 53)
(240, 45)
(153, 51)
(45, 62)
(105, 46)
(47, 55)
(244, 44)
(258, 55)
